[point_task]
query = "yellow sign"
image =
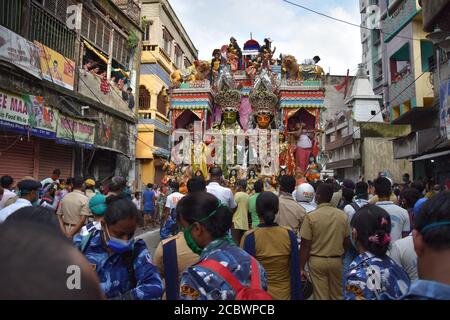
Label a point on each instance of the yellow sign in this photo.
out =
(56, 68)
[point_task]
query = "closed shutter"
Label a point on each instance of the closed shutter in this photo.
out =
(16, 156)
(52, 156)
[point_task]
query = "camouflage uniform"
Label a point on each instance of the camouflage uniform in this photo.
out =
(113, 274)
(199, 283)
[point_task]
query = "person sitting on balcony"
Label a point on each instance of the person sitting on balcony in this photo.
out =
(95, 71)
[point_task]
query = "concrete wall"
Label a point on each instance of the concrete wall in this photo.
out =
(378, 156)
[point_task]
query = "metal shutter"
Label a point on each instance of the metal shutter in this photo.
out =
(16, 156)
(51, 156)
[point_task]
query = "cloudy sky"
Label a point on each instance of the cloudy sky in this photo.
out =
(210, 23)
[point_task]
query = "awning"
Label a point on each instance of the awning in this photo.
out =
(432, 155)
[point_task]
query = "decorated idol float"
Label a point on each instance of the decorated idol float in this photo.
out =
(254, 115)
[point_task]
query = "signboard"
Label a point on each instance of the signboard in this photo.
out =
(19, 52)
(27, 113)
(444, 112)
(72, 130)
(56, 68)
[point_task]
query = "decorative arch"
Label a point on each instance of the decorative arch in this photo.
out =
(161, 102)
(145, 98)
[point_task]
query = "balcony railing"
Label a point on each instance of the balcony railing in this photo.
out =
(10, 15)
(130, 8)
(402, 90)
(405, 11)
(51, 32)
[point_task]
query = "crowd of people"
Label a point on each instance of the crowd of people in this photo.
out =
(354, 240)
(117, 82)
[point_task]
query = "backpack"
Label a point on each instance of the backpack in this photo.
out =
(253, 292)
(355, 206)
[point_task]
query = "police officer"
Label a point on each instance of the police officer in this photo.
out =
(28, 196)
(123, 264)
(205, 222)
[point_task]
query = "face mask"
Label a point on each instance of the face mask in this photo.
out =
(187, 234)
(119, 245)
(191, 242)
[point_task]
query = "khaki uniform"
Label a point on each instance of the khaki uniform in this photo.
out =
(290, 213)
(186, 257)
(72, 207)
(326, 228)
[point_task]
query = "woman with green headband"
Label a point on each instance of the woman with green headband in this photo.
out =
(431, 237)
(205, 223)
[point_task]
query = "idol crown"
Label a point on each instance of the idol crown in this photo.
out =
(263, 101)
(228, 99)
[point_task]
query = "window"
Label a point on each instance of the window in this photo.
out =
(400, 63)
(427, 55)
(161, 140)
(161, 102)
(95, 30)
(373, 113)
(146, 34)
(178, 57)
(144, 98)
(50, 31)
(167, 42)
(187, 63)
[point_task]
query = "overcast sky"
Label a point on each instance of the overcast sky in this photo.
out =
(210, 23)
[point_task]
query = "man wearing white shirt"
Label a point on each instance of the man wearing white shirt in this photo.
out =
(225, 195)
(399, 217)
(403, 253)
(6, 183)
(362, 195)
(173, 198)
(29, 194)
(54, 178)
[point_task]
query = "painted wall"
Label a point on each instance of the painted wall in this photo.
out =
(378, 156)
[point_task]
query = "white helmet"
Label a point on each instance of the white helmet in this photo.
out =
(305, 193)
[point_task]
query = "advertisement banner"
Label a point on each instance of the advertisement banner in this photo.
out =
(72, 130)
(55, 67)
(27, 113)
(444, 114)
(20, 52)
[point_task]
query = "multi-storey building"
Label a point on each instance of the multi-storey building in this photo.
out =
(166, 47)
(65, 66)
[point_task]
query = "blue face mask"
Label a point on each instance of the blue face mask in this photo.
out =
(119, 245)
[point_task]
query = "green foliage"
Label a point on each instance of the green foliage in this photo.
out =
(133, 40)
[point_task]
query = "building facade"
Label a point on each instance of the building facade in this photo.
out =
(372, 44)
(166, 47)
(61, 103)
(428, 144)
(358, 140)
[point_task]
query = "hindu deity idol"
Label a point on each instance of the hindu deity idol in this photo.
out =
(264, 101)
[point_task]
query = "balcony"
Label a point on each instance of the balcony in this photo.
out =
(152, 53)
(415, 143)
(131, 8)
(89, 86)
(401, 90)
(405, 11)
